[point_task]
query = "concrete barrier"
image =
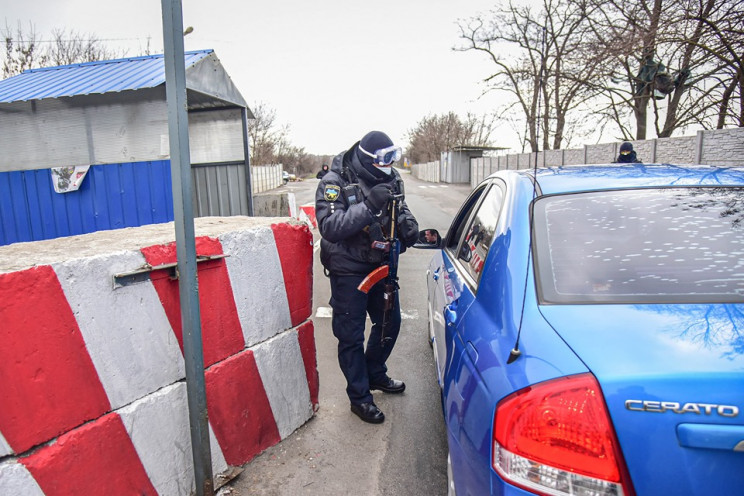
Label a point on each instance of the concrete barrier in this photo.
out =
(92, 373)
(284, 205)
(307, 215)
(274, 204)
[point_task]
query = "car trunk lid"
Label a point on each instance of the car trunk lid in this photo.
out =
(673, 380)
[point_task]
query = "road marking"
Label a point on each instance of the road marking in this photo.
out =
(413, 315)
(327, 312)
(324, 312)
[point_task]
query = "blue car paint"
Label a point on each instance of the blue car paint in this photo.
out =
(572, 179)
(689, 353)
(476, 376)
(484, 330)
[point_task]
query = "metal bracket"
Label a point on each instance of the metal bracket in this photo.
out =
(143, 273)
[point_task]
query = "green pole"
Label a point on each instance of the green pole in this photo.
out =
(178, 132)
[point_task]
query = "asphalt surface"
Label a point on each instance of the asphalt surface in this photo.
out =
(335, 453)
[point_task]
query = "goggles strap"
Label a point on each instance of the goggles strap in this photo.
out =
(366, 152)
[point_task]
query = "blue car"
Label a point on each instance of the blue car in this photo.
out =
(587, 324)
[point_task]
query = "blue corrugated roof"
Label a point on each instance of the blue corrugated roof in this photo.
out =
(91, 77)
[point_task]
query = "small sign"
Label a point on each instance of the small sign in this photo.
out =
(67, 179)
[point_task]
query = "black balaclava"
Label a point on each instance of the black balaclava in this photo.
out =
(629, 158)
(373, 141)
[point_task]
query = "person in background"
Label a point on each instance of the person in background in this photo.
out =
(627, 154)
(322, 172)
(352, 207)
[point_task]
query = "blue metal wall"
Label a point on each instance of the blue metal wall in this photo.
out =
(111, 196)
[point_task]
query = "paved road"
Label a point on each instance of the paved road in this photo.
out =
(335, 453)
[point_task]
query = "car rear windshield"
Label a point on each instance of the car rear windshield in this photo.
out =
(660, 245)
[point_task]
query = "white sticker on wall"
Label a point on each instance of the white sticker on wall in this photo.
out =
(164, 146)
(66, 179)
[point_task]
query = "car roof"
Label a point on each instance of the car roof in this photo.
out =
(569, 179)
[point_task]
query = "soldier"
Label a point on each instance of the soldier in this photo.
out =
(351, 207)
(627, 154)
(322, 172)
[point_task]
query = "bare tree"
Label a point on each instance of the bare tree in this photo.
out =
(24, 50)
(660, 68)
(270, 144)
(264, 133)
(73, 47)
(636, 66)
(21, 50)
(543, 57)
(437, 133)
(723, 25)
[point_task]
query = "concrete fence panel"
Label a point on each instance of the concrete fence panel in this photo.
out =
(601, 154)
(646, 151)
(723, 147)
(673, 150)
(525, 160)
(553, 158)
(481, 168)
(266, 177)
(573, 156)
(429, 171)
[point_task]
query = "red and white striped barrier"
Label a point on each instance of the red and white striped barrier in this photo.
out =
(307, 215)
(92, 376)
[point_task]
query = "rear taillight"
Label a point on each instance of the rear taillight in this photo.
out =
(556, 438)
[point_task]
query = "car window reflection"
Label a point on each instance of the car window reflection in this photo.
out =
(642, 246)
(474, 247)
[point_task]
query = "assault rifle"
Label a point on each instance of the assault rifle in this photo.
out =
(388, 271)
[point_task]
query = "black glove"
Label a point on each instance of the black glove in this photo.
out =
(378, 197)
(408, 231)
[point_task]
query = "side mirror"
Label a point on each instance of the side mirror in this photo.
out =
(428, 239)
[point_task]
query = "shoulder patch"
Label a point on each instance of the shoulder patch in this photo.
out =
(331, 192)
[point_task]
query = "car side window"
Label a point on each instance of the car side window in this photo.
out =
(461, 219)
(476, 239)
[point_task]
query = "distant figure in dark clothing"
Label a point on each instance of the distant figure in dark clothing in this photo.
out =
(627, 154)
(322, 172)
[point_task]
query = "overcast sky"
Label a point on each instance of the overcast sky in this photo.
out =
(332, 69)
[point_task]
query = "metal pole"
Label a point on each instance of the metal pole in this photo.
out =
(178, 132)
(247, 155)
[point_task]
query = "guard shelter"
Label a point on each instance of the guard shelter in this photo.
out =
(85, 147)
(454, 164)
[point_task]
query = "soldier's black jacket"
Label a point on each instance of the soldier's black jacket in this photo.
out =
(347, 225)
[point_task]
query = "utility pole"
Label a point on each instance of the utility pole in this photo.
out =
(178, 133)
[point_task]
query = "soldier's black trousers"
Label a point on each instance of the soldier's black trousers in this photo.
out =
(350, 309)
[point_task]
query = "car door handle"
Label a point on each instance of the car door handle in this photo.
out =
(450, 314)
(435, 275)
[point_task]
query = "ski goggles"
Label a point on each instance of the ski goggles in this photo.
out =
(384, 156)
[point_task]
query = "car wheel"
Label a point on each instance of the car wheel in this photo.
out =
(450, 480)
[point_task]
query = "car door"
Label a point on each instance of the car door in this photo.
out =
(467, 404)
(445, 285)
